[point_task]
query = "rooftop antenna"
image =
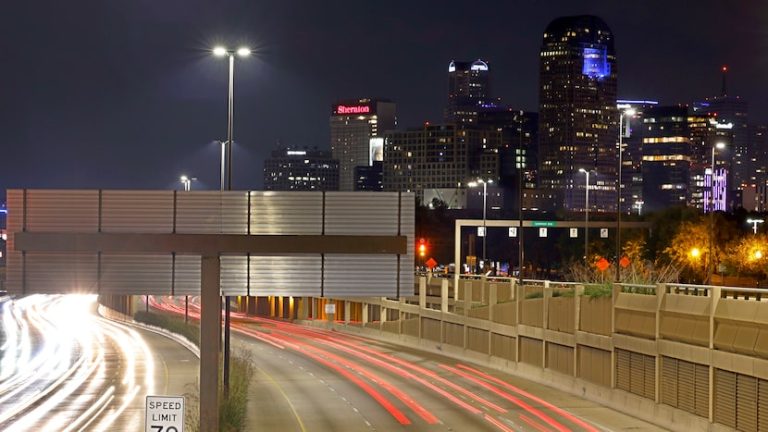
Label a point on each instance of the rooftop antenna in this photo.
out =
(723, 91)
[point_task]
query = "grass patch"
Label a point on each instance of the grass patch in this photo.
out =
(594, 291)
(232, 409)
(555, 293)
(170, 323)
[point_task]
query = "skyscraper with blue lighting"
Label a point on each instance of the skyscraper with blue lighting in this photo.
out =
(578, 118)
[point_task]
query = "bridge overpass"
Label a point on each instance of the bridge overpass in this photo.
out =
(682, 356)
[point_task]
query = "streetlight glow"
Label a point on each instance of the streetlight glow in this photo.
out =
(754, 223)
(720, 145)
(243, 51)
(758, 254)
(695, 252)
(485, 184)
(220, 51)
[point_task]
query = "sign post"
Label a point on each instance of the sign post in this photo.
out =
(330, 312)
(164, 414)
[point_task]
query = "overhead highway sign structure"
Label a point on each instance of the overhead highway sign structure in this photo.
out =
(210, 243)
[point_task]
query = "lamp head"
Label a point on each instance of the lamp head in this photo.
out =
(219, 51)
(720, 145)
(472, 184)
(184, 179)
(243, 51)
(582, 170)
(630, 112)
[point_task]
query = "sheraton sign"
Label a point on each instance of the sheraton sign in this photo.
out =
(355, 109)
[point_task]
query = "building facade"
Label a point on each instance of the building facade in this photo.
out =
(357, 128)
(370, 178)
(468, 91)
(301, 170)
(733, 110)
(632, 157)
(445, 157)
(667, 153)
(679, 146)
(518, 154)
(578, 118)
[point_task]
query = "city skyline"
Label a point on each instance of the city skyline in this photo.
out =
(102, 99)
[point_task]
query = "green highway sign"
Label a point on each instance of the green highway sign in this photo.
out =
(548, 224)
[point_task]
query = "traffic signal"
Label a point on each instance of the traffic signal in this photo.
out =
(422, 247)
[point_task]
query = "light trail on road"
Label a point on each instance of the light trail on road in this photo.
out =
(433, 390)
(64, 368)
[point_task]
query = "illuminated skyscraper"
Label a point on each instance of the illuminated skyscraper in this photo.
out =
(732, 110)
(468, 91)
(578, 118)
(301, 170)
(357, 130)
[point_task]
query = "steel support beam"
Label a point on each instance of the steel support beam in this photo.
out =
(209, 244)
(210, 328)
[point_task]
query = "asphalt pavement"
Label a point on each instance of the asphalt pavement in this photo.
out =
(311, 379)
(64, 368)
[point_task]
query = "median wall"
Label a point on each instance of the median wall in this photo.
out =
(684, 357)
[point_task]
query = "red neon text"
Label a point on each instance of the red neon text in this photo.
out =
(360, 109)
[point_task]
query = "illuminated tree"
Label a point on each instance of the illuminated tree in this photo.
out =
(689, 248)
(748, 254)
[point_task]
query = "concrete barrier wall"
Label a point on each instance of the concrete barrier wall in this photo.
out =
(686, 358)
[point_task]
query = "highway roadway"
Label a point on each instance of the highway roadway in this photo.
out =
(64, 368)
(310, 379)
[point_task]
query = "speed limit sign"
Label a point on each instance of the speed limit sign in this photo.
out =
(164, 414)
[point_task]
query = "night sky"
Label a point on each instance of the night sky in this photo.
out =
(125, 93)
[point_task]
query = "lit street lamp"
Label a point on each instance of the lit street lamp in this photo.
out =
(629, 112)
(485, 184)
(754, 223)
(221, 52)
(586, 213)
(187, 182)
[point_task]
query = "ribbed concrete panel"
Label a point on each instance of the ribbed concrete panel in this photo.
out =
(358, 275)
(14, 223)
(286, 212)
(61, 273)
(137, 211)
(212, 212)
(407, 228)
(234, 275)
(187, 275)
(136, 274)
(372, 213)
(62, 210)
(203, 212)
(291, 275)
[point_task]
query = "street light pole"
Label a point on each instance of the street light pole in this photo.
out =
(520, 165)
(628, 112)
(485, 201)
(187, 182)
(754, 223)
(586, 215)
(220, 52)
(485, 227)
